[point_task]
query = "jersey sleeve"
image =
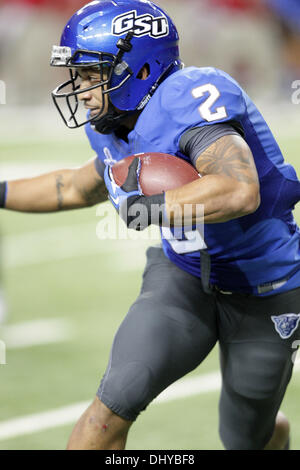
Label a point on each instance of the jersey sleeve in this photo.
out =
(194, 97)
(197, 139)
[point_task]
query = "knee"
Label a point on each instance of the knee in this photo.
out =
(240, 439)
(281, 433)
(282, 425)
(127, 389)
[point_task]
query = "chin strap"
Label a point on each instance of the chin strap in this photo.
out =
(111, 121)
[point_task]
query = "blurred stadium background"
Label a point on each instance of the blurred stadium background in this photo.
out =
(59, 304)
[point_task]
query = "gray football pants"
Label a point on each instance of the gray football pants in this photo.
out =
(170, 330)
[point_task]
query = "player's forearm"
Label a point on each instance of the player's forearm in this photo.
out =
(221, 197)
(45, 193)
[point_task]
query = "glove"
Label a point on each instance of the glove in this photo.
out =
(118, 194)
(137, 210)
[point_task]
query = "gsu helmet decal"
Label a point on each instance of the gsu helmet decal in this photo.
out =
(119, 38)
(142, 25)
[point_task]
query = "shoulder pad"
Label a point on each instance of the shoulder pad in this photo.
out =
(192, 97)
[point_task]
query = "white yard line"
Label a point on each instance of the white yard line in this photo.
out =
(77, 240)
(50, 244)
(41, 421)
(190, 386)
(69, 414)
(36, 332)
(38, 422)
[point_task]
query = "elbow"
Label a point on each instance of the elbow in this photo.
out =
(248, 200)
(251, 201)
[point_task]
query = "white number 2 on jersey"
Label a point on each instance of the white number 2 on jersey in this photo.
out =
(205, 108)
(194, 241)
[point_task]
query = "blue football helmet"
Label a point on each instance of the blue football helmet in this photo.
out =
(119, 38)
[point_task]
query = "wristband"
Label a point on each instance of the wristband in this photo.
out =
(3, 192)
(141, 211)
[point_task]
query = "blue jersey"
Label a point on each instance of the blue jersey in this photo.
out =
(247, 254)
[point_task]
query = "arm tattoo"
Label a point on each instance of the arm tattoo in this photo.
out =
(227, 157)
(59, 186)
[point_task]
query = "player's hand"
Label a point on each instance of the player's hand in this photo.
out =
(119, 194)
(133, 206)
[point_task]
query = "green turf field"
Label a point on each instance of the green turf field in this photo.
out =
(56, 268)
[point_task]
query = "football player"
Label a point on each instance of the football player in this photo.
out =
(239, 285)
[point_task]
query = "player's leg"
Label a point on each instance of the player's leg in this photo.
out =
(281, 434)
(249, 405)
(99, 428)
(257, 365)
(167, 332)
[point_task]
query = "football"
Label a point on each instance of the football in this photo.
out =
(159, 172)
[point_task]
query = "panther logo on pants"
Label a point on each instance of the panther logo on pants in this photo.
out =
(286, 324)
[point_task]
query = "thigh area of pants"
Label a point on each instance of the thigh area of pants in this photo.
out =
(167, 333)
(256, 362)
